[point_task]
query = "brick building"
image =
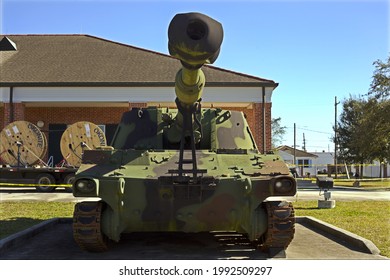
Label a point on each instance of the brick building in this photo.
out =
(56, 80)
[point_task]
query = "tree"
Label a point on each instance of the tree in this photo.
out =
(278, 131)
(350, 136)
(363, 131)
(380, 85)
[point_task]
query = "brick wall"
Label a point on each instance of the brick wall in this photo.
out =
(66, 115)
(18, 115)
(257, 125)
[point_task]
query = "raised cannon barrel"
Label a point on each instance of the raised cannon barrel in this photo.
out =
(195, 39)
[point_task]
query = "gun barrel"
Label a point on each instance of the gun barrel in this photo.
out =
(195, 39)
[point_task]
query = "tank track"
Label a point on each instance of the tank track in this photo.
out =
(281, 226)
(87, 228)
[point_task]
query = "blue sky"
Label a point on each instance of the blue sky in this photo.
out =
(315, 50)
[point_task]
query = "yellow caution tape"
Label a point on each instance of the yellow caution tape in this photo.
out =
(36, 185)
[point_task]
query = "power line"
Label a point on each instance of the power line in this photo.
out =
(311, 130)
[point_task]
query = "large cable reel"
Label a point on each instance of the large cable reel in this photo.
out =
(79, 137)
(22, 144)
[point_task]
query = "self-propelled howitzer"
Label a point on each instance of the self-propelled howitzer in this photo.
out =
(187, 169)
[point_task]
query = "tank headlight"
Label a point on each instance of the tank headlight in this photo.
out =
(283, 185)
(85, 185)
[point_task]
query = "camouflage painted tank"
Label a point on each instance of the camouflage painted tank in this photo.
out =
(186, 169)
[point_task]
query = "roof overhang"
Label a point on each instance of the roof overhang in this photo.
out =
(132, 94)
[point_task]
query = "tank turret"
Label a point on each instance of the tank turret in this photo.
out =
(188, 169)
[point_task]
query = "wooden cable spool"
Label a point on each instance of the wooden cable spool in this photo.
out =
(79, 137)
(22, 141)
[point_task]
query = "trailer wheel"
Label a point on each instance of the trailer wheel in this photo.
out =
(45, 179)
(69, 179)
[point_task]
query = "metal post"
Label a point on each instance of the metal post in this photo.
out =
(335, 135)
(264, 122)
(11, 106)
(295, 144)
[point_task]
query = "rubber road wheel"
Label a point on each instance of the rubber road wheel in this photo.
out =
(45, 179)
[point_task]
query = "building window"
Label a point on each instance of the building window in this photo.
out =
(304, 163)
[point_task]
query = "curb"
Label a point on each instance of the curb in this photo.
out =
(20, 237)
(361, 243)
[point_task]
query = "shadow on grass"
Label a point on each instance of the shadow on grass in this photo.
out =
(14, 225)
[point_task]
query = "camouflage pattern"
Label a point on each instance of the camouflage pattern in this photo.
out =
(185, 169)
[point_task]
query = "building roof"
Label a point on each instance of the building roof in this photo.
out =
(77, 60)
(298, 153)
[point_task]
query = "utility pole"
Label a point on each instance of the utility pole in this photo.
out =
(295, 144)
(335, 135)
(304, 142)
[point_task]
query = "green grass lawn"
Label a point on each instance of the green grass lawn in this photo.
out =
(369, 219)
(17, 216)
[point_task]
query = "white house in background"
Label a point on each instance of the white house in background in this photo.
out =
(304, 161)
(322, 161)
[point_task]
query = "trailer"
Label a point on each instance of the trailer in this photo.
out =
(44, 179)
